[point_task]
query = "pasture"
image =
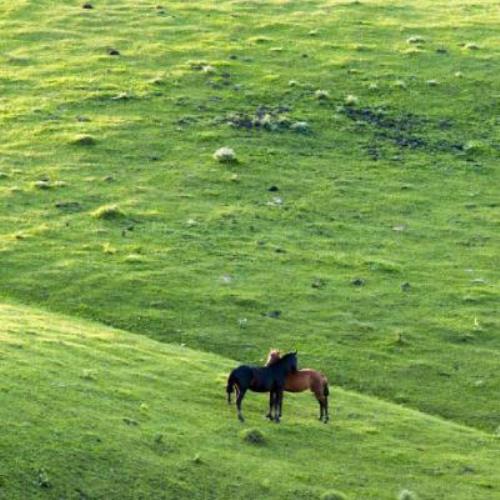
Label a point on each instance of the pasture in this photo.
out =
(353, 214)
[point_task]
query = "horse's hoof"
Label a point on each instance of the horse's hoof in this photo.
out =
(269, 416)
(240, 418)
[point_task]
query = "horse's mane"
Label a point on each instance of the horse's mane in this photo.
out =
(273, 357)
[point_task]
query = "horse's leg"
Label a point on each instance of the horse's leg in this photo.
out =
(325, 404)
(271, 403)
(321, 408)
(278, 401)
(241, 395)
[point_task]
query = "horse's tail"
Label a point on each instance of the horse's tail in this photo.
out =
(231, 381)
(326, 390)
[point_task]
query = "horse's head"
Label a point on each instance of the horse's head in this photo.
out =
(290, 361)
(273, 357)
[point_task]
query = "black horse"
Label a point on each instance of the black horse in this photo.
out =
(262, 379)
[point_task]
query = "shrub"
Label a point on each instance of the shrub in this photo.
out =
(253, 436)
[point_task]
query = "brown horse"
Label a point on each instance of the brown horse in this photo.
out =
(304, 379)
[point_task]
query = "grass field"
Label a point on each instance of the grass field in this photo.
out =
(359, 224)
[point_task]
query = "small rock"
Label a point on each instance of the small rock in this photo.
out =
(300, 127)
(122, 96)
(471, 46)
(42, 184)
(113, 52)
(415, 40)
(273, 189)
(225, 155)
(405, 287)
(322, 95)
(351, 100)
(87, 5)
(478, 281)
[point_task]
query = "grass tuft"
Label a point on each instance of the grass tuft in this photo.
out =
(333, 495)
(108, 212)
(407, 495)
(253, 436)
(84, 140)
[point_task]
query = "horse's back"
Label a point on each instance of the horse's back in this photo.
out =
(243, 374)
(304, 379)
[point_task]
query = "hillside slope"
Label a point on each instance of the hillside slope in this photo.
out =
(90, 412)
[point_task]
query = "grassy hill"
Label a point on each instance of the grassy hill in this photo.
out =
(92, 412)
(359, 224)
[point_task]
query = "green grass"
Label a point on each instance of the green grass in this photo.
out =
(92, 412)
(379, 248)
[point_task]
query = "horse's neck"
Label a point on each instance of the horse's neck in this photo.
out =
(280, 368)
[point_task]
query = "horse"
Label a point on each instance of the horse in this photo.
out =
(304, 379)
(262, 379)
